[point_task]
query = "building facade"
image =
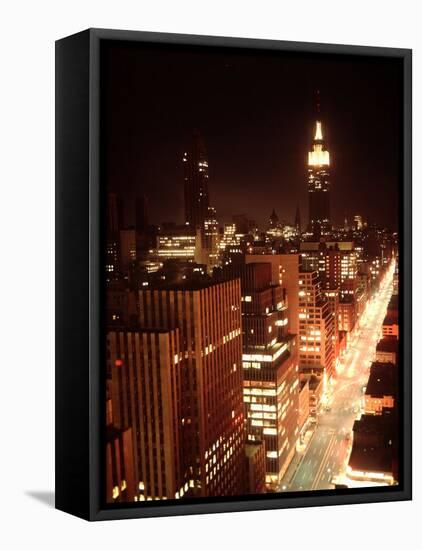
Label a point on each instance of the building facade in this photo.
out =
(284, 272)
(177, 243)
(121, 485)
(270, 368)
(195, 169)
(255, 467)
(208, 317)
(316, 327)
(145, 394)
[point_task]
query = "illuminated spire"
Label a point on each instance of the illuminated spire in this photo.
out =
(319, 156)
(318, 131)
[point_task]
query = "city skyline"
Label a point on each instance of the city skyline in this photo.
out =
(262, 147)
(246, 355)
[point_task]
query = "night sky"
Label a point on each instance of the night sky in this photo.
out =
(256, 113)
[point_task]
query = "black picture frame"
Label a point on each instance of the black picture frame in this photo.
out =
(78, 284)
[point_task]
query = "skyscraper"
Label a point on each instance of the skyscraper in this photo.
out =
(114, 215)
(319, 185)
(145, 388)
(121, 485)
(195, 165)
(316, 327)
(177, 242)
(141, 214)
(208, 317)
(207, 240)
(127, 249)
(298, 225)
(285, 272)
(114, 225)
(270, 368)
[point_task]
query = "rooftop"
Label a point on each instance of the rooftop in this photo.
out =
(382, 380)
(141, 329)
(371, 459)
(389, 343)
(391, 318)
(187, 285)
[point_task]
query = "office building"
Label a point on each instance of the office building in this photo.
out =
(270, 368)
(112, 259)
(121, 483)
(177, 242)
(316, 327)
(208, 317)
(337, 265)
(255, 467)
(145, 393)
(244, 225)
(114, 216)
(285, 272)
(207, 242)
(230, 237)
(127, 249)
(121, 304)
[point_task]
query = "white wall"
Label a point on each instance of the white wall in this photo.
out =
(27, 36)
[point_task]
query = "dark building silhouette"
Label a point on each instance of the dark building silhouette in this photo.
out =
(243, 224)
(374, 455)
(141, 215)
(121, 484)
(382, 388)
(195, 166)
(255, 467)
(298, 224)
(114, 215)
(114, 219)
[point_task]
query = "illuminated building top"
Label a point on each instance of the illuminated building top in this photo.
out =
(319, 156)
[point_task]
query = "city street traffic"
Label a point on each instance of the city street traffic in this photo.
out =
(328, 451)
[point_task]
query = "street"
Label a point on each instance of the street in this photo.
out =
(327, 453)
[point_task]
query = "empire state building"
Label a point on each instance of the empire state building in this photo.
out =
(319, 185)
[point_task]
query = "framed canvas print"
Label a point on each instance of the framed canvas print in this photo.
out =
(233, 274)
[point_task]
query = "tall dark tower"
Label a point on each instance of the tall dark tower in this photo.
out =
(114, 214)
(298, 224)
(141, 214)
(319, 183)
(195, 164)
